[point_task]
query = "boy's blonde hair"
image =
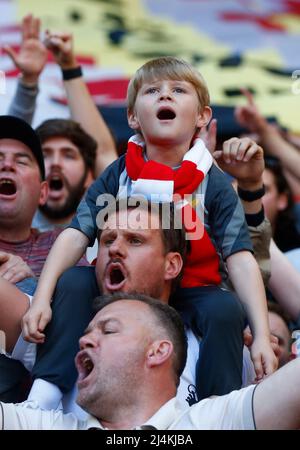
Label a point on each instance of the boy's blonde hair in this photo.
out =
(167, 68)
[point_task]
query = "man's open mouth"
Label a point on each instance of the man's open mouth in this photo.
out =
(55, 183)
(115, 276)
(166, 114)
(7, 187)
(85, 366)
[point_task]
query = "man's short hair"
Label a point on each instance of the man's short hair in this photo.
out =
(167, 68)
(71, 130)
(166, 318)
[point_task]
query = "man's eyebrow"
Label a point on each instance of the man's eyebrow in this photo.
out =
(24, 155)
(108, 231)
(100, 323)
(127, 232)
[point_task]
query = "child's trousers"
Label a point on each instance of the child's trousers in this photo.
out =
(218, 317)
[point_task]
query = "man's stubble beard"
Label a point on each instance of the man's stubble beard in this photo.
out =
(70, 206)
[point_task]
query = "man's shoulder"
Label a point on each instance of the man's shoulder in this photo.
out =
(109, 179)
(227, 412)
(45, 236)
(17, 417)
(116, 167)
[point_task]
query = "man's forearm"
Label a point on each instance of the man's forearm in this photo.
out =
(243, 271)
(87, 114)
(23, 103)
(275, 145)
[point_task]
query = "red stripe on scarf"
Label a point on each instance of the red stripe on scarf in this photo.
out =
(135, 165)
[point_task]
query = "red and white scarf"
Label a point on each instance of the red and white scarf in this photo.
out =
(151, 178)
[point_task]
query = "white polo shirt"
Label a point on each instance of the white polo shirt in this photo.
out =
(227, 412)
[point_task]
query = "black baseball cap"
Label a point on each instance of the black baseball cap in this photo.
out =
(14, 128)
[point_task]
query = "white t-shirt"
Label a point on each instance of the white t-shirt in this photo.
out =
(186, 393)
(228, 412)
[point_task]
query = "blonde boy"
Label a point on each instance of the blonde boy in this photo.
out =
(167, 105)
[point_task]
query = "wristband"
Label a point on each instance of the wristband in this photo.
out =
(69, 74)
(251, 196)
(26, 85)
(254, 220)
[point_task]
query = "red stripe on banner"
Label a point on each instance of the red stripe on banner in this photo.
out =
(266, 23)
(117, 88)
(9, 28)
(81, 59)
(110, 90)
(15, 47)
(12, 73)
(292, 6)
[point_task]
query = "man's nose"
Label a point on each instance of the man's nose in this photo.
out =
(89, 340)
(7, 164)
(55, 159)
(117, 248)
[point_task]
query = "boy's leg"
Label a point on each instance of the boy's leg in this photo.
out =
(218, 317)
(71, 313)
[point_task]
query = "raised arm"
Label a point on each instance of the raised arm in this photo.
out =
(276, 402)
(248, 170)
(30, 60)
(67, 250)
(82, 106)
(247, 282)
(285, 283)
(273, 143)
(243, 159)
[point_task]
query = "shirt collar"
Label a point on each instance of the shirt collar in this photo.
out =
(92, 422)
(164, 417)
(161, 420)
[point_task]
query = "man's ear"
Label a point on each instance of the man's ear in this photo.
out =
(132, 120)
(173, 265)
(159, 352)
(44, 193)
(204, 116)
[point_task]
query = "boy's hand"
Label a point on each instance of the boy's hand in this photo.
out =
(32, 56)
(61, 46)
(263, 358)
(35, 321)
(248, 340)
(13, 268)
(243, 159)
